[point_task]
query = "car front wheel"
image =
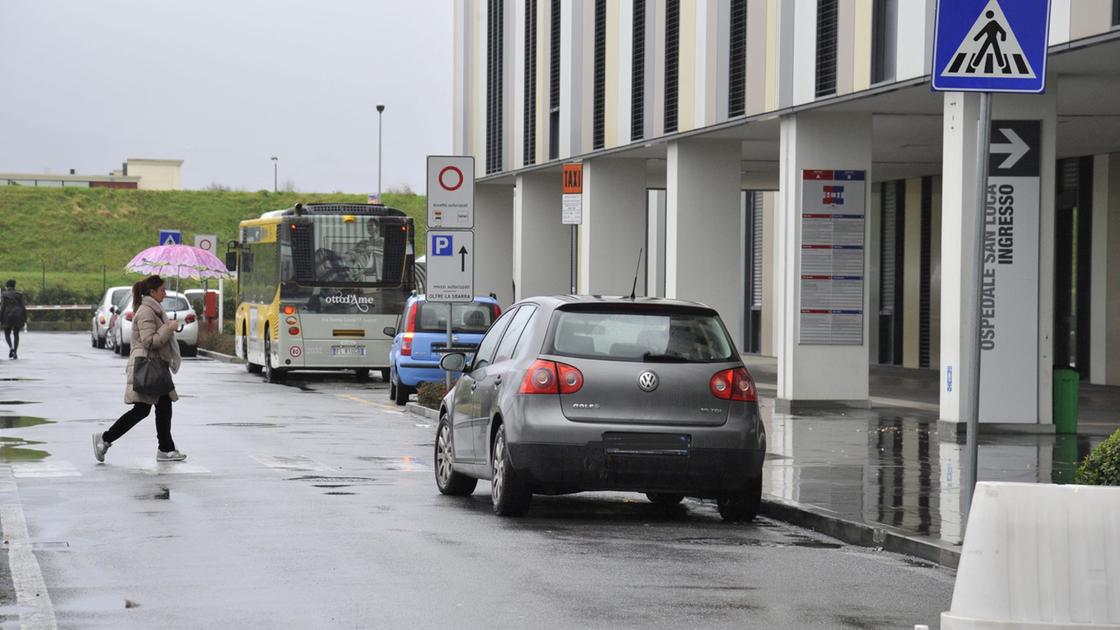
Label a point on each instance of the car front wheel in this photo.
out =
(742, 505)
(447, 480)
(508, 491)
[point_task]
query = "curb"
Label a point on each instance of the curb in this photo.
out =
(860, 534)
(218, 356)
(418, 410)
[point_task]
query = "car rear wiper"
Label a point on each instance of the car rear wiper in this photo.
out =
(650, 357)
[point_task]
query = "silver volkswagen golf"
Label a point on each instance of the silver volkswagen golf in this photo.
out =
(572, 393)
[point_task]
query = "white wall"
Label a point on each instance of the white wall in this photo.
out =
(541, 247)
(614, 226)
(493, 241)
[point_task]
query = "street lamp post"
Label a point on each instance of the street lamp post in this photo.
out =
(275, 160)
(380, 108)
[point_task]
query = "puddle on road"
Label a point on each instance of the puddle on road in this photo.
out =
(19, 378)
(404, 463)
(340, 494)
(12, 449)
(19, 422)
(162, 494)
(324, 479)
(19, 402)
(330, 485)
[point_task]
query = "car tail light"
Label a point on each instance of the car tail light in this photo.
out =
(406, 344)
(540, 378)
(189, 318)
(571, 379)
(101, 319)
(497, 311)
(294, 330)
(128, 316)
(409, 329)
(733, 384)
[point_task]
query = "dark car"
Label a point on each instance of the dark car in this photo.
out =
(573, 393)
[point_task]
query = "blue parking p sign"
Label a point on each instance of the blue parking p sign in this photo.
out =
(986, 46)
(442, 245)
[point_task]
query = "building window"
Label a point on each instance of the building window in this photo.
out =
(672, 56)
(884, 17)
(826, 47)
(530, 145)
(638, 73)
(598, 122)
(737, 79)
(554, 81)
(1115, 12)
(494, 86)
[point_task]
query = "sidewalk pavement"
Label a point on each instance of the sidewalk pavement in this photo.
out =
(886, 477)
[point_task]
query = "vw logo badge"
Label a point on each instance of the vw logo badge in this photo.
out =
(647, 381)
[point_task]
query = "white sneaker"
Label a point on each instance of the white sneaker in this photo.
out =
(100, 446)
(170, 456)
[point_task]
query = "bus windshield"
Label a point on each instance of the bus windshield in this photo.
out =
(356, 250)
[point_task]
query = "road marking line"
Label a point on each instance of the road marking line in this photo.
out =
(45, 469)
(36, 611)
(390, 407)
(297, 462)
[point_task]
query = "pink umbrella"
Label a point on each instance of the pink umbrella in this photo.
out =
(178, 261)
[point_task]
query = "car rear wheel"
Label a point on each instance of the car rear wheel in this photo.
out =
(665, 498)
(101, 342)
(400, 393)
(93, 339)
(742, 505)
(509, 493)
(188, 351)
(447, 480)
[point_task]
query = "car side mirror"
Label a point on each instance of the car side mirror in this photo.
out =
(389, 331)
(113, 310)
(453, 362)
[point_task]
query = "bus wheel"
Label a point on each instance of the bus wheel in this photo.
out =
(362, 374)
(271, 374)
(250, 367)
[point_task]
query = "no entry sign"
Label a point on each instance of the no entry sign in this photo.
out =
(451, 191)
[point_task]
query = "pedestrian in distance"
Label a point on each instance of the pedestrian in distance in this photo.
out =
(153, 335)
(13, 316)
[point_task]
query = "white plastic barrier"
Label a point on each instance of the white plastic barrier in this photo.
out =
(1039, 556)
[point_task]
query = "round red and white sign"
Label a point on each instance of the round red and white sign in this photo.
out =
(295, 351)
(450, 178)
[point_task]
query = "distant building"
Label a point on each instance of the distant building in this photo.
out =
(136, 173)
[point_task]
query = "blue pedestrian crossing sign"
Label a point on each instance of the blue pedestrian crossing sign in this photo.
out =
(986, 46)
(170, 237)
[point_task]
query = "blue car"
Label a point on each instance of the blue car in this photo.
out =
(420, 333)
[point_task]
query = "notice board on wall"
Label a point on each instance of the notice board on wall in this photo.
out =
(833, 205)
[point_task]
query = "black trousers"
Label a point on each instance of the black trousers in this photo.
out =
(140, 411)
(8, 333)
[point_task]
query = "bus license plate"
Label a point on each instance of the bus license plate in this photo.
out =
(348, 351)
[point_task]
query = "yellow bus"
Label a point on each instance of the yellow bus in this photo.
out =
(317, 284)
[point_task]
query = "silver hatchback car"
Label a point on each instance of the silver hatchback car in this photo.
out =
(573, 393)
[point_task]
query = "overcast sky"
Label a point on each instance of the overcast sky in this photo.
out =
(226, 84)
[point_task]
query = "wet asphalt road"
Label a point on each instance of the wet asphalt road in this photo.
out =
(312, 504)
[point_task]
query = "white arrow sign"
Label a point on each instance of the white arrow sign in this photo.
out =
(1015, 149)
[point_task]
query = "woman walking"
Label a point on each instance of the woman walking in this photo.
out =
(153, 335)
(13, 316)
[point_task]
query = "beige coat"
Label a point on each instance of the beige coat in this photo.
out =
(149, 336)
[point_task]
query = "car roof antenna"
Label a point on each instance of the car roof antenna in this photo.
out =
(634, 287)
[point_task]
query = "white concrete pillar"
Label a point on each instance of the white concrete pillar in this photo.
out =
(1098, 327)
(808, 373)
(703, 223)
(541, 246)
(999, 401)
(614, 226)
(493, 241)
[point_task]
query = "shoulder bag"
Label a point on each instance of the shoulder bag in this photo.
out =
(151, 376)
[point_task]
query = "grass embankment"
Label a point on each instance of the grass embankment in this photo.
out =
(63, 245)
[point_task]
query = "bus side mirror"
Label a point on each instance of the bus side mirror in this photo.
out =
(231, 261)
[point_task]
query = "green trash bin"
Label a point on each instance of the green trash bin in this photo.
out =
(1066, 383)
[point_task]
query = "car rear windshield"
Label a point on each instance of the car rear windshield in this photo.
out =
(465, 318)
(118, 295)
(174, 303)
(635, 335)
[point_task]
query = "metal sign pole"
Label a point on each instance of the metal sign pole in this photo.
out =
(573, 259)
(972, 332)
(450, 310)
